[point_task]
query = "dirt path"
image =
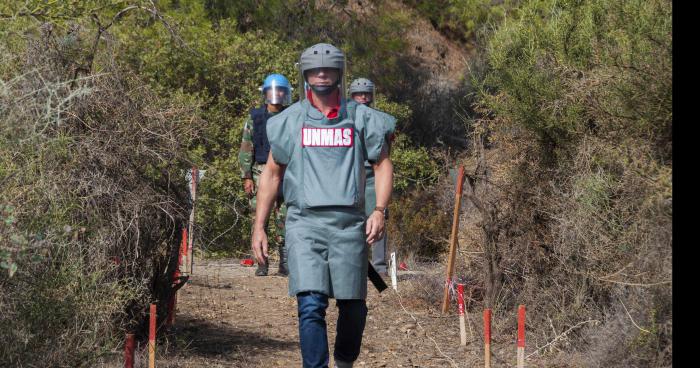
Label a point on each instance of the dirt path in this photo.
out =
(227, 317)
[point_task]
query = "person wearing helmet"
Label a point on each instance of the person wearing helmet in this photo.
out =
(362, 92)
(252, 156)
(318, 148)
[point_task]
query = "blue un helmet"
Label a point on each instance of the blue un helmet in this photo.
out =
(276, 90)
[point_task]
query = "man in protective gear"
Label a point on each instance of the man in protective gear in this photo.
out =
(362, 92)
(319, 148)
(252, 156)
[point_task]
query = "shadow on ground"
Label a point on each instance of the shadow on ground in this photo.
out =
(197, 337)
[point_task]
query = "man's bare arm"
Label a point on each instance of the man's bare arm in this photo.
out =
(268, 186)
(383, 181)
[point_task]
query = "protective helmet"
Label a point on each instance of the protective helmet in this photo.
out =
(361, 85)
(322, 55)
(276, 90)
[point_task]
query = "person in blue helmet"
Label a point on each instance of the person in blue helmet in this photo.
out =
(252, 156)
(362, 92)
(317, 149)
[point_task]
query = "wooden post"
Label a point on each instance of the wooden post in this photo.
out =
(152, 338)
(460, 304)
(521, 336)
(129, 347)
(453, 240)
(487, 338)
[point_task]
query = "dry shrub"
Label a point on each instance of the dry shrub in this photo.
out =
(575, 213)
(585, 246)
(94, 197)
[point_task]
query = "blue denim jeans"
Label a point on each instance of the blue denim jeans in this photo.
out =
(352, 314)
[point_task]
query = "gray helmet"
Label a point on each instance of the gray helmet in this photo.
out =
(322, 55)
(361, 85)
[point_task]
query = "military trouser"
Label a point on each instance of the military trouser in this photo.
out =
(278, 215)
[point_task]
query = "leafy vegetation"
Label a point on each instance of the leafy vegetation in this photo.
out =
(564, 122)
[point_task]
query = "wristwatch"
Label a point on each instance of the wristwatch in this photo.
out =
(383, 210)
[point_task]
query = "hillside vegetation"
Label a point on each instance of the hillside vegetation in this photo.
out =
(560, 110)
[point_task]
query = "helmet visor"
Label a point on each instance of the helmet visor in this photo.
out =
(363, 97)
(277, 95)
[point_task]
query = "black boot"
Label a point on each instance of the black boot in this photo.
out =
(262, 269)
(283, 271)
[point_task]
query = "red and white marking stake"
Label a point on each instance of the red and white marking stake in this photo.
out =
(487, 338)
(183, 261)
(521, 336)
(172, 304)
(460, 305)
(152, 338)
(129, 347)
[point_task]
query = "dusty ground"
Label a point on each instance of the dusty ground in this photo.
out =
(227, 317)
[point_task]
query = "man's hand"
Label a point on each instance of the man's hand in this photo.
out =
(268, 186)
(259, 246)
(249, 186)
(375, 227)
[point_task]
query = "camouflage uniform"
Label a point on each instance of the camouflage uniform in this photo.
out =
(252, 170)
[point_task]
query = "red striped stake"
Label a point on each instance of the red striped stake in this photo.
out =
(487, 338)
(521, 336)
(152, 338)
(182, 260)
(172, 304)
(129, 347)
(460, 304)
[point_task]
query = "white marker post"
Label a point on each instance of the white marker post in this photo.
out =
(393, 271)
(521, 336)
(460, 304)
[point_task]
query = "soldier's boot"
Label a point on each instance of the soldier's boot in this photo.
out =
(283, 270)
(262, 269)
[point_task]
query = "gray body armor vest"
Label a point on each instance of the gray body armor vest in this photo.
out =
(326, 167)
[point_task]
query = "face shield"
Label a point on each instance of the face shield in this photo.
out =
(365, 98)
(277, 95)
